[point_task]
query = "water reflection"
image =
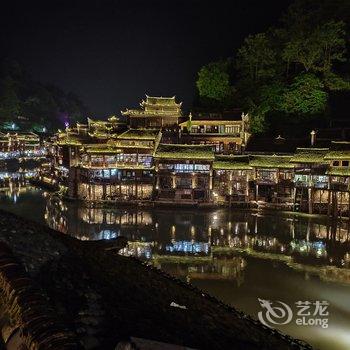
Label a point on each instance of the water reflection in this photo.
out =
(236, 256)
(311, 241)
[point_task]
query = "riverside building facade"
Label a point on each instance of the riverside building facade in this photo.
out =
(155, 155)
(21, 145)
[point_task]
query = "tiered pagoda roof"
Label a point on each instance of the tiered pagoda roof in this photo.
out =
(156, 106)
(106, 126)
(71, 138)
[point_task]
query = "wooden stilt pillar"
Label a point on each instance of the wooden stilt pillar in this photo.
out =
(136, 189)
(247, 187)
(310, 199)
(334, 203)
(104, 190)
(341, 205)
(294, 197)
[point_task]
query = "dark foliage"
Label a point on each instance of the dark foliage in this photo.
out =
(290, 73)
(31, 105)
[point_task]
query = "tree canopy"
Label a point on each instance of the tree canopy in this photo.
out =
(292, 70)
(214, 83)
(256, 59)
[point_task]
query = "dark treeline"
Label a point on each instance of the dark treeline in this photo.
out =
(30, 105)
(296, 73)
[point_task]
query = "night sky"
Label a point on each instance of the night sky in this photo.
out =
(110, 53)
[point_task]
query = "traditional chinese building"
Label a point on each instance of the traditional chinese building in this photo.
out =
(310, 179)
(227, 132)
(155, 112)
(273, 178)
(66, 146)
(338, 161)
(232, 176)
(211, 158)
(184, 173)
(19, 144)
(120, 169)
(102, 130)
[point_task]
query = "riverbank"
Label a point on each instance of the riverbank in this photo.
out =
(242, 207)
(105, 298)
(251, 206)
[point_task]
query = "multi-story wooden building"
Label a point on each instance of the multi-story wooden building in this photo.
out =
(120, 169)
(20, 144)
(228, 133)
(338, 171)
(232, 176)
(155, 156)
(184, 173)
(273, 178)
(310, 178)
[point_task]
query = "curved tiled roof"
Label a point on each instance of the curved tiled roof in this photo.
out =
(187, 152)
(32, 322)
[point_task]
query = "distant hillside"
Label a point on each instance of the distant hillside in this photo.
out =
(29, 105)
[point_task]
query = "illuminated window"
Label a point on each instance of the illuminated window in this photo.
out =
(201, 167)
(145, 159)
(183, 168)
(119, 157)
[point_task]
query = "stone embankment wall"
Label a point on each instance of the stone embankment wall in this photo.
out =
(28, 320)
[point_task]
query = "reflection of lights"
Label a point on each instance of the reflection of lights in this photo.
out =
(193, 230)
(316, 248)
(188, 247)
(137, 249)
(106, 234)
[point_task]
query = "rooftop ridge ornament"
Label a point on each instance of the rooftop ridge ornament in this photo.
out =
(313, 137)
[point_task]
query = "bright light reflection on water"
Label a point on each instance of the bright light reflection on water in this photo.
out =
(236, 256)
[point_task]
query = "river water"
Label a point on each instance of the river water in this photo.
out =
(237, 256)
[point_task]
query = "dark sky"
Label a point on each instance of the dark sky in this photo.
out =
(111, 53)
